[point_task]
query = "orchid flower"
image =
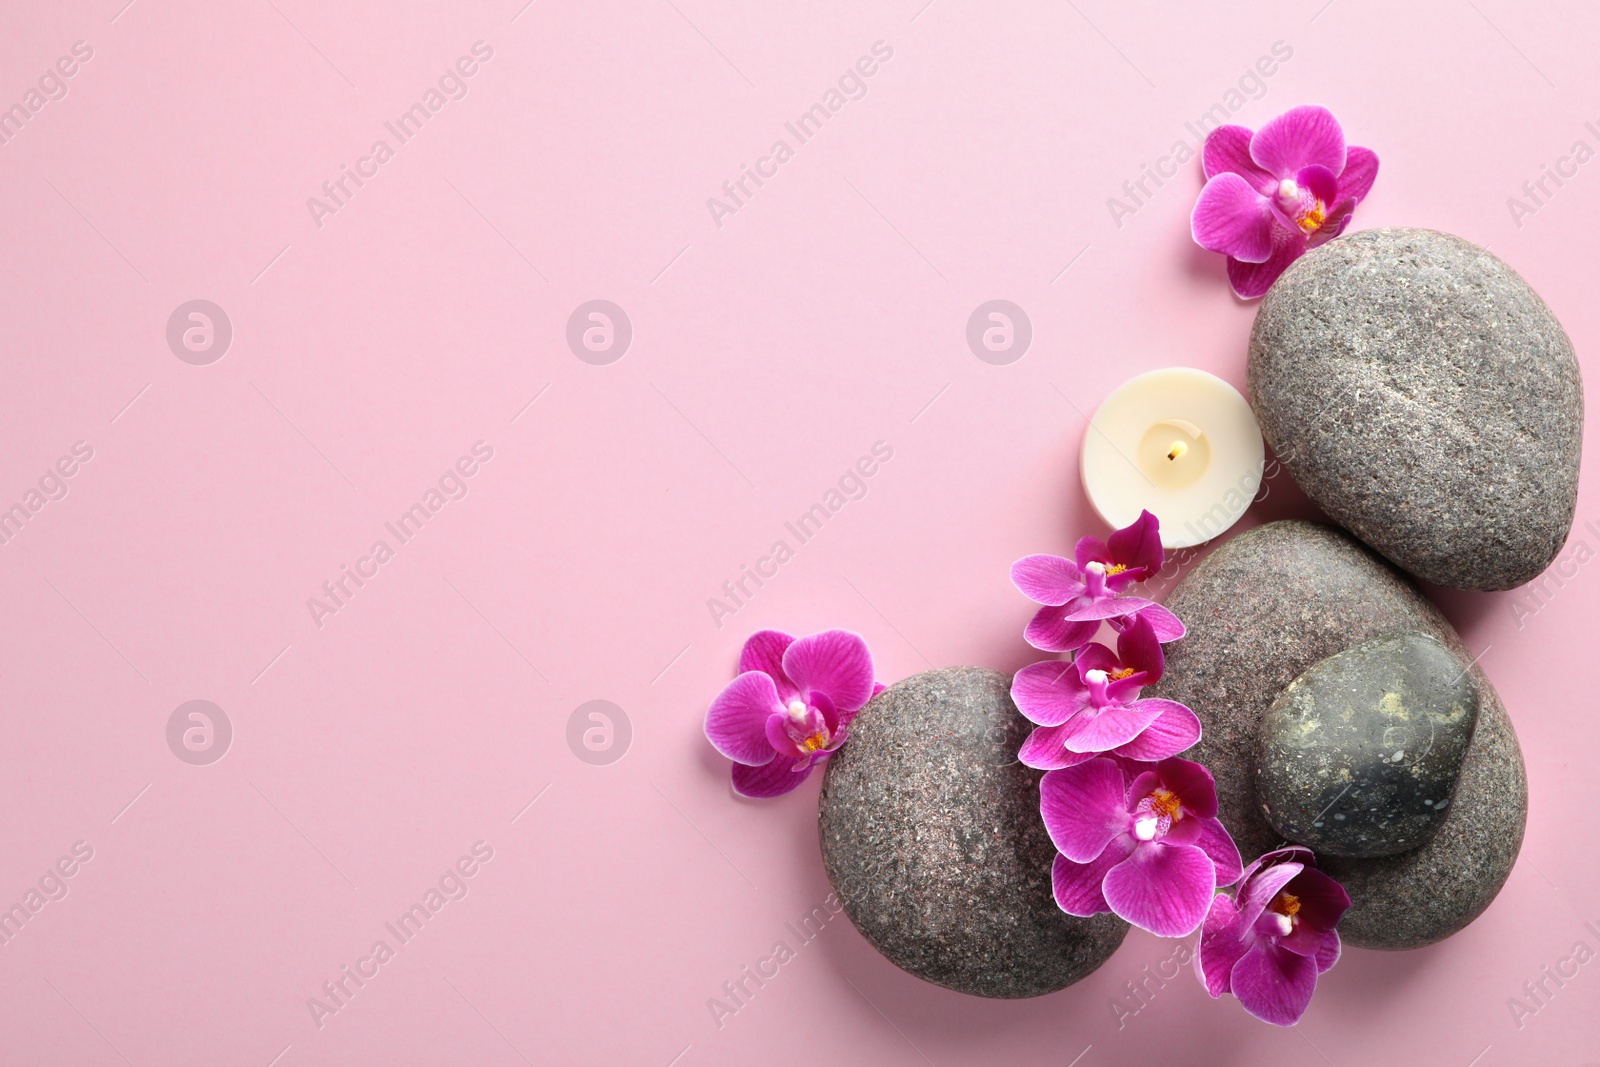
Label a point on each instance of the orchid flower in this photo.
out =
(1272, 194)
(1268, 945)
(1079, 594)
(1092, 705)
(790, 707)
(1138, 839)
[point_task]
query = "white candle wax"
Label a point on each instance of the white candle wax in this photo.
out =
(1179, 442)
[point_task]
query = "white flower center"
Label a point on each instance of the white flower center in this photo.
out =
(797, 710)
(1285, 923)
(1097, 677)
(1144, 828)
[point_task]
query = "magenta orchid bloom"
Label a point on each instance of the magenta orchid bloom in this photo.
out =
(1079, 594)
(1141, 840)
(1267, 946)
(790, 707)
(1092, 706)
(1272, 194)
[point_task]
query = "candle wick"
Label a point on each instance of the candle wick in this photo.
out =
(1178, 449)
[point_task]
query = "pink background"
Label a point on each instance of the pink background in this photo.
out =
(826, 314)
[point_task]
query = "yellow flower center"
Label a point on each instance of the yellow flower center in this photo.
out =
(1163, 802)
(1286, 904)
(814, 742)
(1118, 675)
(1312, 218)
(1114, 568)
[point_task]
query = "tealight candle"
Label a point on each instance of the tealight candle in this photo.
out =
(1179, 442)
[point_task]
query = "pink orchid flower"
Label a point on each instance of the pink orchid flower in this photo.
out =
(790, 707)
(1268, 945)
(1092, 705)
(1272, 194)
(1079, 594)
(1138, 839)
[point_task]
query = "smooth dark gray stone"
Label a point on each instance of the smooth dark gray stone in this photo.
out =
(1260, 610)
(1425, 397)
(1359, 756)
(933, 842)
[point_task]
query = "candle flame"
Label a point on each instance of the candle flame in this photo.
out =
(1178, 449)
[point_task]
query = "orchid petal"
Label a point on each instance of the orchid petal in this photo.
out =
(736, 722)
(1223, 941)
(1215, 841)
(1112, 727)
(764, 652)
(1273, 985)
(1250, 280)
(782, 775)
(1227, 150)
(1319, 182)
(1174, 729)
(1137, 545)
(1049, 693)
(1323, 901)
(1196, 788)
(1047, 579)
(778, 737)
(835, 662)
(1096, 657)
(1263, 887)
(1360, 171)
(1299, 137)
(1051, 631)
(1165, 889)
(1163, 623)
(1082, 808)
(1139, 647)
(1078, 886)
(1232, 218)
(1102, 608)
(1044, 751)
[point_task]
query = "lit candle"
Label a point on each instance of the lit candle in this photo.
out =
(1179, 442)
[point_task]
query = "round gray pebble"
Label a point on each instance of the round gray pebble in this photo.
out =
(1425, 397)
(1265, 606)
(933, 842)
(1360, 754)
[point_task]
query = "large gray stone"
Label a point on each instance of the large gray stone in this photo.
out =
(1260, 610)
(1360, 754)
(1425, 397)
(933, 842)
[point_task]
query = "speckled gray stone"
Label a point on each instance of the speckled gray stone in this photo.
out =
(932, 839)
(1261, 609)
(1359, 756)
(1425, 397)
